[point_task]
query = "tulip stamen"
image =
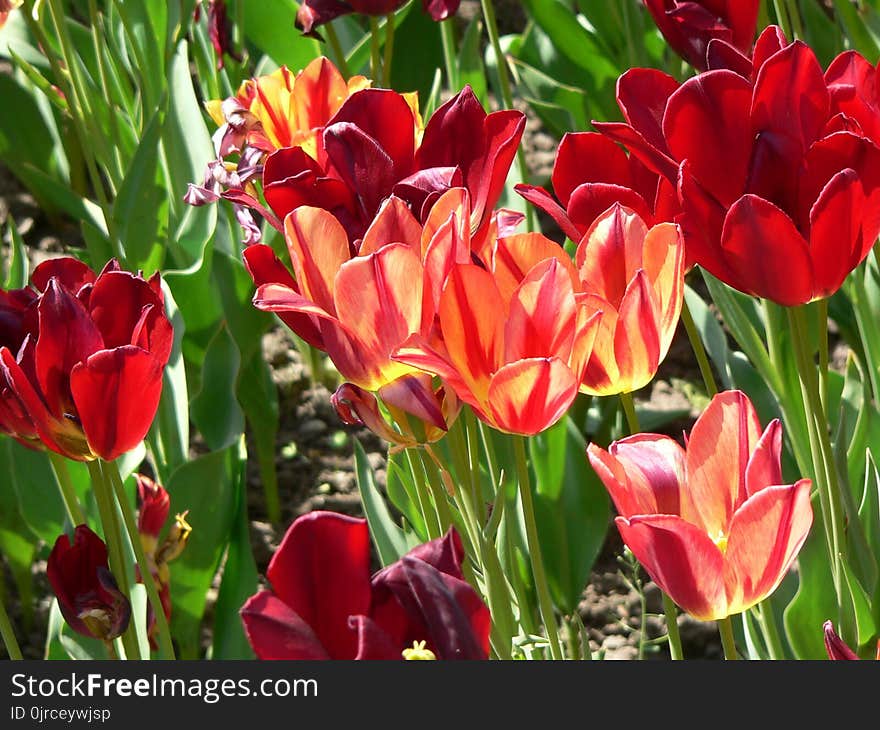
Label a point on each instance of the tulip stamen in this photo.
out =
(721, 541)
(418, 652)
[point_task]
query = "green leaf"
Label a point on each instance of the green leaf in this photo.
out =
(572, 510)
(139, 617)
(561, 107)
(390, 540)
(207, 487)
(140, 211)
(238, 584)
(215, 409)
(470, 60)
(23, 129)
(400, 487)
(269, 27)
(16, 273)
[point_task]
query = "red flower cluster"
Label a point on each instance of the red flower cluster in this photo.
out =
(82, 358)
(313, 13)
(775, 163)
(324, 604)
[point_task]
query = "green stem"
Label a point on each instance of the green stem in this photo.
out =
(675, 651)
(113, 539)
(8, 634)
(111, 650)
(822, 307)
(573, 638)
(65, 486)
(429, 516)
(690, 327)
(629, 411)
(725, 627)
(447, 36)
(375, 49)
(823, 458)
(506, 93)
(389, 50)
(336, 47)
(166, 648)
(435, 484)
(542, 588)
(768, 627)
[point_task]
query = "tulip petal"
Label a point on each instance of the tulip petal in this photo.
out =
(542, 315)
(116, 394)
(842, 231)
(656, 160)
(681, 560)
(643, 94)
(784, 272)
(664, 265)
(765, 463)
(766, 534)
(637, 335)
(266, 268)
(790, 97)
(394, 223)
(642, 473)
(275, 631)
(374, 642)
(318, 92)
(318, 247)
(529, 396)
(717, 101)
(67, 337)
(541, 199)
(414, 394)
(718, 452)
(321, 571)
(379, 299)
(515, 256)
(584, 155)
(72, 273)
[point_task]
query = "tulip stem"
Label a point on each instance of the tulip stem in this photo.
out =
(768, 627)
(389, 50)
(542, 588)
(629, 411)
(375, 50)
(725, 628)
(675, 651)
(336, 47)
(506, 94)
(447, 36)
(820, 445)
(8, 634)
(430, 517)
(113, 538)
(111, 471)
(65, 486)
(693, 334)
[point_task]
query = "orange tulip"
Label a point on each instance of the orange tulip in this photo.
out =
(360, 307)
(283, 109)
(713, 525)
(512, 341)
(636, 277)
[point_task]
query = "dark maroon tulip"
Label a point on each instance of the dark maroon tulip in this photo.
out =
(219, 30)
(779, 186)
(88, 596)
(837, 648)
(86, 377)
(689, 26)
(369, 153)
(154, 503)
(590, 174)
(325, 605)
(313, 13)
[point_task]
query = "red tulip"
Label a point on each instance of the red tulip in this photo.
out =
(87, 593)
(87, 376)
(688, 26)
(313, 13)
(712, 524)
(835, 646)
(371, 150)
(324, 604)
(779, 186)
(635, 276)
(590, 174)
(513, 341)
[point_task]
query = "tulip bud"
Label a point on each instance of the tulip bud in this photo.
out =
(88, 595)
